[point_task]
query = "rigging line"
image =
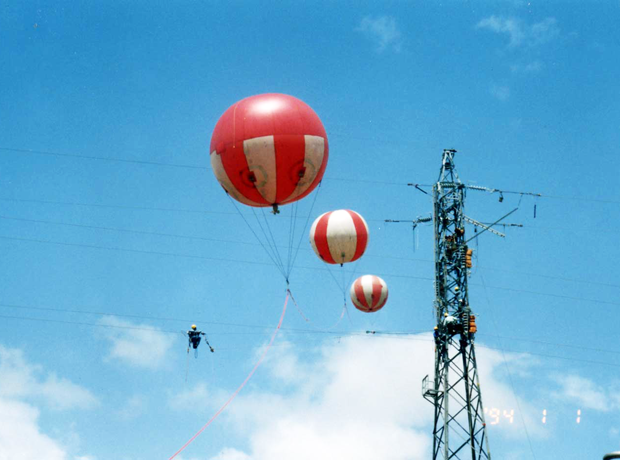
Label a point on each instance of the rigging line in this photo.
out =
(527, 435)
(323, 331)
(334, 278)
(270, 244)
(293, 233)
(88, 157)
(299, 309)
(187, 364)
(234, 395)
(252, 230)
(354, 270)
(273, 241)
(301, 236)
(290, 240)
(267, 245)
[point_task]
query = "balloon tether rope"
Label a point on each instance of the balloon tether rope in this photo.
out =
(234, 395)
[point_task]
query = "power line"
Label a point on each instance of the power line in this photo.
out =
(429, 340)
(253, 262)
(115, 206)
(111, 159)
(292, 330)
(335, 334)
(200, 238)
(186, 166)
(125, 230)
(139, 208)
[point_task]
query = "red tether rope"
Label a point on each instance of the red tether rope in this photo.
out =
(234, 395)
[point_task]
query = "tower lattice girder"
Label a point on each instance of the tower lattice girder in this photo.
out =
(459, 429)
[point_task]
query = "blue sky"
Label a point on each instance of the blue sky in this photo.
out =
(116, 237)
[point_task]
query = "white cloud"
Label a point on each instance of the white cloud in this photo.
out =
(586, 393)
(137, 345)
(501, 93)
(20, 437)
(19, 379)
(383, 30)
(520, 33)
(359, 399)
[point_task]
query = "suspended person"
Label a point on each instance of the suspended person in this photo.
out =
(194, 337)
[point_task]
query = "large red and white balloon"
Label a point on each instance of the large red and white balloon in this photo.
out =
(339, 236)
(369, 293)
(268, 150)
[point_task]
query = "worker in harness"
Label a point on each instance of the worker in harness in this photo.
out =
(450, 323)
(194, 337)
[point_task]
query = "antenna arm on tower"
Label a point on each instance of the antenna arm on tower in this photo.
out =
(489, 227)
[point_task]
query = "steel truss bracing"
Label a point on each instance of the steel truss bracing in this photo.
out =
(459, 428)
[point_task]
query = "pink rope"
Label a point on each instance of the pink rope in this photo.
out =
(234, 395)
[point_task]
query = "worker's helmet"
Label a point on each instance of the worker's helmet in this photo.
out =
(193, 327)
(445, 314)
(435, 328)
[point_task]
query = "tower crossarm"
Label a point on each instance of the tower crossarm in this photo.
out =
(481, 225)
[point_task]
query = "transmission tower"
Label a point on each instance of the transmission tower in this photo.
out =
(459, 430)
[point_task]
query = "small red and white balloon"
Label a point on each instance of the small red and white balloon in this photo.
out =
(338, 237)
(369, 293)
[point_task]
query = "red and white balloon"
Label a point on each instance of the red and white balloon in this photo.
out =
(369, 293)
(268, 150)
(339, 236)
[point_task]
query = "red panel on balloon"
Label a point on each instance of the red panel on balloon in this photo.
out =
(285, 158)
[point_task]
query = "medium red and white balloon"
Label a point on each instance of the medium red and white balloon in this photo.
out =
(268, 150)
(369, 293)
(338, 237)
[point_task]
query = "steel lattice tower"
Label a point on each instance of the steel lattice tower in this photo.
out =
(459, 429)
